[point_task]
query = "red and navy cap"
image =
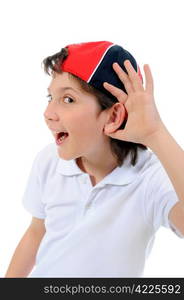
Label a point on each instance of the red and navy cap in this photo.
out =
(92, 62)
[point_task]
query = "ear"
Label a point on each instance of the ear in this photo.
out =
(117, 115)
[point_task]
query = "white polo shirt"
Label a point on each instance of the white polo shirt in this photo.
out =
(106, 230)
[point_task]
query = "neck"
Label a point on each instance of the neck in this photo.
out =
(98, 166)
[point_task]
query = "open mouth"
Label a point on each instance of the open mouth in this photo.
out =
(61, 136)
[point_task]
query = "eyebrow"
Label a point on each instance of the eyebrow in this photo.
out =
(64, 89)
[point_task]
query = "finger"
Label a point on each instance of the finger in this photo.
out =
(134, 77)
(119, 135)
(149, 79)
(123, 77)
(118, 93)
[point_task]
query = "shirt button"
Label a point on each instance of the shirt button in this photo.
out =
(89, 210)
(88, 205)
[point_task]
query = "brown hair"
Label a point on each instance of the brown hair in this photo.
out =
(119, 148)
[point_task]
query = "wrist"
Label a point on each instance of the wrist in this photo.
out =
(157, 136)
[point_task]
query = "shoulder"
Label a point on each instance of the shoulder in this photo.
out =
(48, 152)
(47, 158)
(147, 163)
(150, 164)
(152, 173)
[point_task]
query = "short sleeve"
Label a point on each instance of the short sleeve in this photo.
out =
(159, 200)
(32, 197)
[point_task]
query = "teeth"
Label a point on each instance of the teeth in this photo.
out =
(62, 138)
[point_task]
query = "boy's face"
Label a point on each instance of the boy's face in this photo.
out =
(77, 113)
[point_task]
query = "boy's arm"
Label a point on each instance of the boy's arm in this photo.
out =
(23, 259)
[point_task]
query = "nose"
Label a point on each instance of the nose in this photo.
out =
(49, 114)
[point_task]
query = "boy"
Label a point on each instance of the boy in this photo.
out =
(99, 195)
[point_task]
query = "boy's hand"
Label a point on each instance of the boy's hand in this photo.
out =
(143, 117)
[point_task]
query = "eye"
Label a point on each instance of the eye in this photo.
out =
(49, 99)
(69, 98)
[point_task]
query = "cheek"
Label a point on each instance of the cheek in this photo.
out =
(84, 125)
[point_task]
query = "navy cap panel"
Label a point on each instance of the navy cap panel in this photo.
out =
(105, 71)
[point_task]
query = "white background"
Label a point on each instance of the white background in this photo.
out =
(31, 30)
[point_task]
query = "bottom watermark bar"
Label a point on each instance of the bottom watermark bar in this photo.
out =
(43, 288)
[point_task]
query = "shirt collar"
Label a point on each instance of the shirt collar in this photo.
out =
(119, 176)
